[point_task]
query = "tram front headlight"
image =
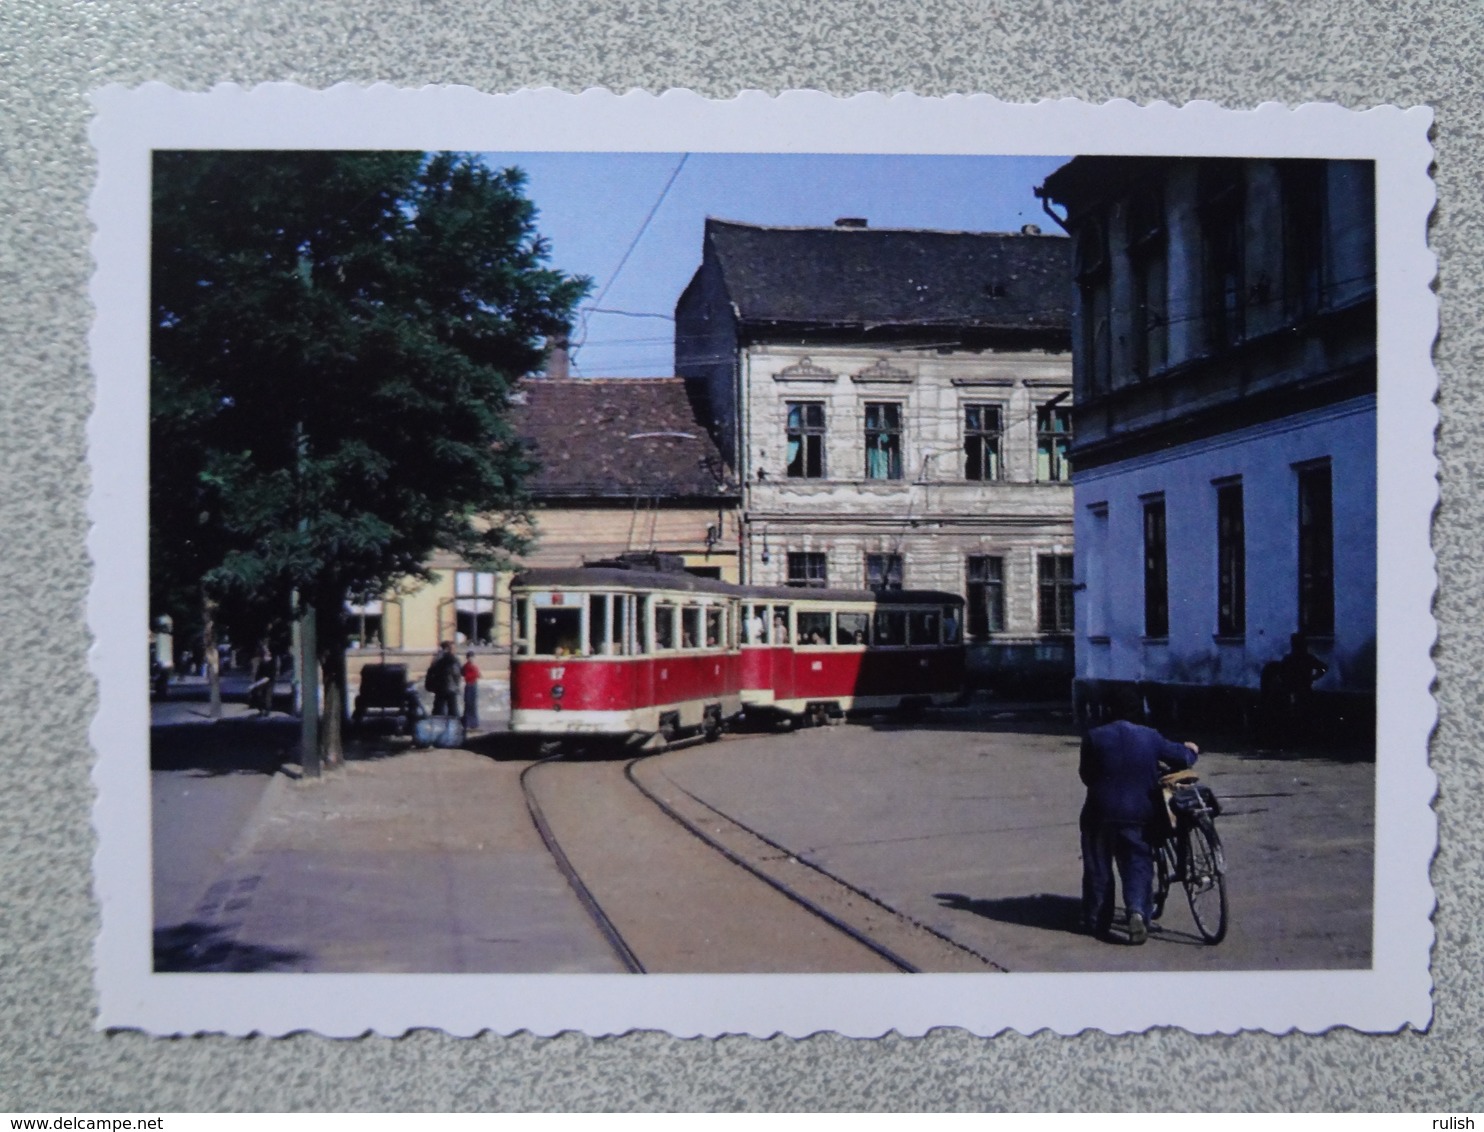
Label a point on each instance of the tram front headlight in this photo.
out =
(557, 691)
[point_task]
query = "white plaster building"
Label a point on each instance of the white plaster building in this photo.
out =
(896, 407)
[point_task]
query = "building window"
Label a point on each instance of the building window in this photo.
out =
(1231, 562)
(1149, 267)
(883, 571)
(883, 440)
(363, 623)
(1222, 253)
(806, 440)
(1316, 551)
(806, 568)
(1094, 336)
(982, 429)
(474, 607)
(1053, 438)
(986, 611)
(1304, 222)
(1156, 574)
(1055, 584)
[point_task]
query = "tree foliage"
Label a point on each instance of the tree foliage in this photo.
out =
(334, 344)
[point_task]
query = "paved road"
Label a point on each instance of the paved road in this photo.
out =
(969, 826)
(207, 781)
(966, 825)
(678, 904)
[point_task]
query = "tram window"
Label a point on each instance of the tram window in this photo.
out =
(521, 628)
(952, 625)
(558, 631)
(851, 628)
(664, 627)
(923, 624)
(641, 623)
(715, 622)
(780, 625)
(597, 624)
(622, 631)
(814, 628)
(891, 627)
(690, 627)
(758, 625)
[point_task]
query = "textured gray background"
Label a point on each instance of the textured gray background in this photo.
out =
(1236, 52)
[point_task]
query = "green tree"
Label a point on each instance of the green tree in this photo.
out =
(334, 343)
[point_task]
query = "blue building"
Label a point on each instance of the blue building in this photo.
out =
(1224, 344)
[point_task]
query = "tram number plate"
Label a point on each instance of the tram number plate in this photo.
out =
(556, 673)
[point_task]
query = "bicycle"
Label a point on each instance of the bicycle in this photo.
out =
(1191, 855)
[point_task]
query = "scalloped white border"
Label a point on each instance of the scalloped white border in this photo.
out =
(1394, 993)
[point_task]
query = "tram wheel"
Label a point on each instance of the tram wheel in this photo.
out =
(711, 727)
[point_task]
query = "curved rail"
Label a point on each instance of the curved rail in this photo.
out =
(860, 893)
(584, 896)
(804, 902)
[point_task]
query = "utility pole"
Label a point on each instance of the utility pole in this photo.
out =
(308, 669)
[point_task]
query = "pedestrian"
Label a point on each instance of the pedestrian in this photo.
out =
(443, 680)
(260, 693)
(1124, 814)
(471, 693)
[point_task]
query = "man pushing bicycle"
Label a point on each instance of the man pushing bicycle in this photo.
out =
(1124, 815)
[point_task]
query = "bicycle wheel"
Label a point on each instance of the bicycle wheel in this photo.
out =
(1205, 880)
(1163, 871)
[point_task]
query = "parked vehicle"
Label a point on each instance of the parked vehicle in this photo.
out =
(387, 693)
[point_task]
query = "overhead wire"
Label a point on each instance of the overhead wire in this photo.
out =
(634, 243)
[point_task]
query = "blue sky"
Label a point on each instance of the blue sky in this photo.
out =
(593, 205)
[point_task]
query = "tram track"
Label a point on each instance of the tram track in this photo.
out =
(584, 895)
(742, 904)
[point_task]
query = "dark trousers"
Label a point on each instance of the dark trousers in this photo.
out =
(1103, 844)
(471, 706)
(445, 703)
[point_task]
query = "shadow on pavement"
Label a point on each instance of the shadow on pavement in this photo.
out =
(1046, 910)
(203, 947)
(228, 746)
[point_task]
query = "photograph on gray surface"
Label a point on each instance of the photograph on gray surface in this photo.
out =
(599, 539)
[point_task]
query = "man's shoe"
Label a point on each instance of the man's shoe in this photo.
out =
(1137, 932)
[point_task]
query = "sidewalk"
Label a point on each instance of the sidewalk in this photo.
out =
(423, 861)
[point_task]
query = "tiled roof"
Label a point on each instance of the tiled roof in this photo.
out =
(873, 277)
(617, 437)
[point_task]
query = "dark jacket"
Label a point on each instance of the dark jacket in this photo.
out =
(444, 674)
(1121, 766)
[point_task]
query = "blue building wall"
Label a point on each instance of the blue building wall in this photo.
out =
(1111, 646)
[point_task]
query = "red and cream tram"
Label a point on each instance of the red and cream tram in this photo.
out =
(614, 652)
(816, 654)
(605, 651)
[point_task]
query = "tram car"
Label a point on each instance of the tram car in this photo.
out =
(608, 652)
(813, 655)
(615, 652)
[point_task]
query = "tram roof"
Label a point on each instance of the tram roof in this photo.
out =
(614, 577)
(880, 597)
(609, 577)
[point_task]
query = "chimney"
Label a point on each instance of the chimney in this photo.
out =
(851, 222)
(558, 364)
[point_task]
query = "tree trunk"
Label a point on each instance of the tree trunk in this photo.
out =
(332, 668)
(212, 658)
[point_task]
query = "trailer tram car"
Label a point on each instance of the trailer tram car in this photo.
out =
(612, 653)
(812, 655)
